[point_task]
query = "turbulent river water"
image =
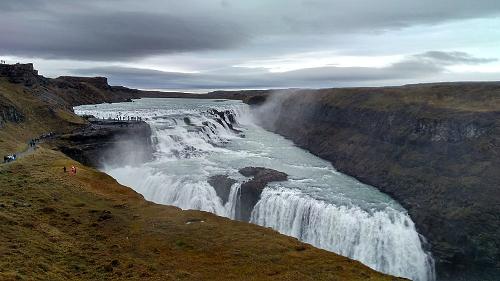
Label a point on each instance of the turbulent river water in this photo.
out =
(317, 204)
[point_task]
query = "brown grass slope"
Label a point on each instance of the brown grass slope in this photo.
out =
(57, 226)
(24, 115)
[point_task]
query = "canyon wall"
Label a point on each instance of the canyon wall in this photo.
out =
(434, 148)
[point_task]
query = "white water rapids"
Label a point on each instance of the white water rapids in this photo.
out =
(317, 205)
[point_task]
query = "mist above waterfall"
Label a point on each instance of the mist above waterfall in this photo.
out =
(317, 204)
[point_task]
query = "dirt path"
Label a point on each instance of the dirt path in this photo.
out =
(21, 154)
(28, 151)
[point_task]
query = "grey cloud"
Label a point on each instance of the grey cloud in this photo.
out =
(408, 69)
(15, 5)
(396, 13)
(450, 58)
(260, 78)
(126, 30)
(114, 36)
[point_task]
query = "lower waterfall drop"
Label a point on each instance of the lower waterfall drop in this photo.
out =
(384, 240)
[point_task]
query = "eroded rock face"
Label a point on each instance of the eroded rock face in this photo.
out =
(252, 189)
(110, 143)
(98, 82)
(20, 73)
(442, 164)
(255, 100)
(222, 185)
(9, 113)
(226, 118)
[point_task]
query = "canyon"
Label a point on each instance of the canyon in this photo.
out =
(434, 148)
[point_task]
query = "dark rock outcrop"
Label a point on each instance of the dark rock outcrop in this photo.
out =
(252, 189)
(433, 148)
(226, 118)
(109, 142)
(222, 185)
(256, 100)
(69, 91)
(98, 82)
(20, 73)
(9, 113)
(249, 96)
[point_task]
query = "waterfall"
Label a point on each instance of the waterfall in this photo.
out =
(384, 240)
(234, 197)
(183, 192)
(318, 205)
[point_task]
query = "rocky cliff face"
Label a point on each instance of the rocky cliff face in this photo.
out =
(68, 91)
(108, 142)
(9, 113)
(20, 73)
(434, 149)
(250, 190)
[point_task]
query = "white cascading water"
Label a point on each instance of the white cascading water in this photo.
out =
(317, 205)
(384, 240)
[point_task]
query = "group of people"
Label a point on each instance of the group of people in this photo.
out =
(72, 171)
(125, 118)
(9, 158)
(32, 144)
(46, 135)
(34, 141)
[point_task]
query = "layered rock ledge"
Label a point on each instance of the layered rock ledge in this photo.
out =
(108, 142)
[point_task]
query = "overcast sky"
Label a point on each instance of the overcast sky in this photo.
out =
(233, 44)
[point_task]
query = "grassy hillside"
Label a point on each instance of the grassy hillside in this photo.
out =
(57, 226)
(474, 97)
(36, 116)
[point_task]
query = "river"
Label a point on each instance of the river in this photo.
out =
(317, 204)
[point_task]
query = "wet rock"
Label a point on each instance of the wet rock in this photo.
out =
(225, 118)
(252, 189)
(263, 174)
(222, 185)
